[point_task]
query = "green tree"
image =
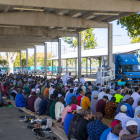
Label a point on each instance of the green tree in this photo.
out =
(23, 56)
(132, 24)
(88, 40)
(3, 63)
(42, 62)
(0, 56)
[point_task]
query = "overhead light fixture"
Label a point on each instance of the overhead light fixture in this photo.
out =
(76, 15)
(112, 14)
(28, 9)
(3, 26)
(90, 17)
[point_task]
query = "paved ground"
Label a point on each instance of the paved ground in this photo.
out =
(12, 129)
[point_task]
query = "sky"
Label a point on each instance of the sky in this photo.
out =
(120, 37)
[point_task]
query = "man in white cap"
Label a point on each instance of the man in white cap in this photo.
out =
(122, 116)
(131, 131)
(99, 77)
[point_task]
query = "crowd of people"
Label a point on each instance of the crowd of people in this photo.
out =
(79, 106)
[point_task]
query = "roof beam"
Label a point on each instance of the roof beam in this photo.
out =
(41, 19)
(27, 39)
(93, 5)
(36, 31)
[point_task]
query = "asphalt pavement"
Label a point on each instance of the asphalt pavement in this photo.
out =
(12, 129)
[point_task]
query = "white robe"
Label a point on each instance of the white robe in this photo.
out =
(82, 80)
(65, 78)
(99, 78)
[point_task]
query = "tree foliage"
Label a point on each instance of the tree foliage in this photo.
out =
(23, 56)
(3, 62)
(135, 39)
(42, 62)
(132, 24)
(88, 40)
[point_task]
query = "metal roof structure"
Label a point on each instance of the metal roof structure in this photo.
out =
(96, 53)
(25, 23)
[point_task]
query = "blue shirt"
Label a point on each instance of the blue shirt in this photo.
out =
(67, 120)
(105, 134)
(68, 98)
(19, 101)
(94, 92)
(43, 107)
(111, 136)
(130, 111)
(95, 129)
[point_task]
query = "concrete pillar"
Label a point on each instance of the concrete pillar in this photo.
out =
(20, 62)
(66, 65)
(110, 45)
(90, 66)
(45, 54)
(52, 66)
(59, 57)
(75, 66)
(86, 67)
(27, 60)
(34, 60)
(79, 56)
(100, 61)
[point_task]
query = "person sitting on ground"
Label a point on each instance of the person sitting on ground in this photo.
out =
(55, 93)
(118, 96)
(89, 89)
(31, 101)
(81, 130)
(100, 87)
(71, 80)
(95, 128)
(125, 91)
(69, 116)
(37, 92)
(110, 108)
(85, 101)
(108, 94)
(96, 91)
(52, 108)
(105, 134)
(43, 106)
(46, 91)
(59, 106)
(137, 120)
(100, 107)
(73, 124)
(136, 97)
(66, 109)
(82, 93)
(10, 91)
(116, 127)
(50, 101)
(69, 96)
(51, 89)
(131, 131)
(1, 101)
(138, 107)
(129, 103)
(125, 98)
(37, 102)
(122, 116)
(94, 103)
(19, 101)
(43, 88)
(101, 94)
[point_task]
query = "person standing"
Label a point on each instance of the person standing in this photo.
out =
(82, 80)
(99, 77)
(65, 78)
